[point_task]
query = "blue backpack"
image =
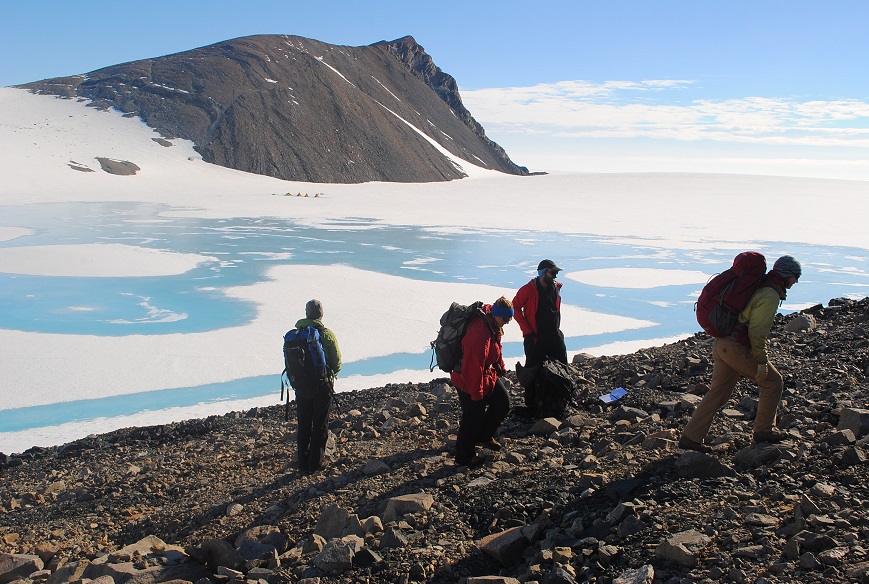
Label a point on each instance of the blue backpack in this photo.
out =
(304, 361)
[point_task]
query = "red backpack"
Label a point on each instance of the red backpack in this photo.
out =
(727, 294)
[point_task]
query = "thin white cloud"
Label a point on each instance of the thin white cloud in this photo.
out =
(659, 109)
(581, 91)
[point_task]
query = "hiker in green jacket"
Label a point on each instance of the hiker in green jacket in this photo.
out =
(313, 404)
(745, 353)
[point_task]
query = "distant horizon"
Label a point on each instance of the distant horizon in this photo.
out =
(773, 88)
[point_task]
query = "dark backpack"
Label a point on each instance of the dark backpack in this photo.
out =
(728, 293)
(447, 347)
(304, 361)
(549, 388)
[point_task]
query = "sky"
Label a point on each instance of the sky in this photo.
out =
(756, 87)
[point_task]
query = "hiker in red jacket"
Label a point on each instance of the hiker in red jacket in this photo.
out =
(744, 354)
(538, 312)
(482, 393)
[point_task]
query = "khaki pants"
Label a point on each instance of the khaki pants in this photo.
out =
(730, 361)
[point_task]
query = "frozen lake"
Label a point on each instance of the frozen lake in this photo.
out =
(613, 275)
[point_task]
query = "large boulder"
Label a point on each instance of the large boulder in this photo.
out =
(18, 566)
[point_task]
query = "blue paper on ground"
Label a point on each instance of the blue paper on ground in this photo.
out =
(615, 394)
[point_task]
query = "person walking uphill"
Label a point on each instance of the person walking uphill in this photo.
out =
(538, 312)
(314, 401)
(482, 393)
(744, 353)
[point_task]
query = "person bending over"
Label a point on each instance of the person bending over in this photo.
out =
(483, 395)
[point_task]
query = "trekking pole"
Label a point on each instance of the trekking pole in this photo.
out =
(287, 405)
(431, 365)
(334, 393)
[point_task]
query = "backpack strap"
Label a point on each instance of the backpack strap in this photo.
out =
(769, 283)
(740, 330)
(329, 373)
(485, 317)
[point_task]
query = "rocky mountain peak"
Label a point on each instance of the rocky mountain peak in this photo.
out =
(299, 109)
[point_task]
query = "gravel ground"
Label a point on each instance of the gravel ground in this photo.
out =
(601, 494)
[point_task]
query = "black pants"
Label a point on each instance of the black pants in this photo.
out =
(550, 346)
(312, 408)
(480, 420)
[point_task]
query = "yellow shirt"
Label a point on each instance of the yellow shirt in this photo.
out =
(758, 316)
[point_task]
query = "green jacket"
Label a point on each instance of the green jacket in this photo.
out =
(330, 343)
(758, 316)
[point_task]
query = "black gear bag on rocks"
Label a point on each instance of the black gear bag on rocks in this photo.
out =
(548, 388)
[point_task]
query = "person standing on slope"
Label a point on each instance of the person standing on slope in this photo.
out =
(483, 395)
(538, 312)
(744, 353)
(313, 403)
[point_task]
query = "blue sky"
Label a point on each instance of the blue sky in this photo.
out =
(768, 87)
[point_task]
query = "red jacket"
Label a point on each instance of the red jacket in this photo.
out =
(481, 359)
(525, 306)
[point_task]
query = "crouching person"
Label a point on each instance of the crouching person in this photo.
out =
(482, 393)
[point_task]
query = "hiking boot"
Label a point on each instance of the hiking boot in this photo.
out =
(491, 444)
(473, 462)
(688, 444)
(771, 436)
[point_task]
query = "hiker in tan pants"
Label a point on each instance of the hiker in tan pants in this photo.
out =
(744, 352)
(732, 360)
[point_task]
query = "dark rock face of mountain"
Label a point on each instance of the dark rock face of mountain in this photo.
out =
(298, 109)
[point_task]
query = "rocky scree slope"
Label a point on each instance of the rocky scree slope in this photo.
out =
(299, 109)
(601, 495)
